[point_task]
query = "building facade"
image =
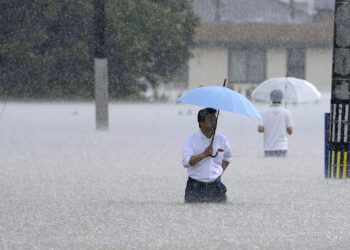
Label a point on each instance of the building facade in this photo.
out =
(247, 42)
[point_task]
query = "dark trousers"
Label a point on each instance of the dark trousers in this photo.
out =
(197, 191)
(276, 153)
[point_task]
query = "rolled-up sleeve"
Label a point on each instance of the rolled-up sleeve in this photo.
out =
(187, 152)
(227, 154)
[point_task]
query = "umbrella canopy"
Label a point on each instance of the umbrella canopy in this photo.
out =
(294, 90)
(220, 98)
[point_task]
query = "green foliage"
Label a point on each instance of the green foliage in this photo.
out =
(47, 45)
(46, 49)
(248, 92)
(231, 85)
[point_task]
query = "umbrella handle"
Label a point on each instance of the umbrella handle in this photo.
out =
(213, 156)
(212, 140)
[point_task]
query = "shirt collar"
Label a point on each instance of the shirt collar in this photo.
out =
(203, 137)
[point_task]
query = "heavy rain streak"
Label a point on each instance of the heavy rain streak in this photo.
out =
(102, 145)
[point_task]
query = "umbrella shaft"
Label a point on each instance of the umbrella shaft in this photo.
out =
(216, 125)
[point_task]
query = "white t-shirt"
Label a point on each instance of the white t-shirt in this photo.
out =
(208, 169)
(275, 120)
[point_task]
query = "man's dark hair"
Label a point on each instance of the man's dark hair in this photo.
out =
(203, 113)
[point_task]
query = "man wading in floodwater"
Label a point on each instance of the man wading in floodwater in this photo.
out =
(277, 122)
(203, 168)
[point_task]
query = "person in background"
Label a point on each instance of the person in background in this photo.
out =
(203, 168)
(277, 122)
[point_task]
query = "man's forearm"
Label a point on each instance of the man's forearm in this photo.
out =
(196, 158)
(224, 165)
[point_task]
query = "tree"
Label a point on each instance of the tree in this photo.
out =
(44, 53)
(46, 48)
(148, 38)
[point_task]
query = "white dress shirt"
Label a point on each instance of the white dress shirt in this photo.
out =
(208, 169)
(275, 120)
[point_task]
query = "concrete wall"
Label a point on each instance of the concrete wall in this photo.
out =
(208, 67)
(318, 68)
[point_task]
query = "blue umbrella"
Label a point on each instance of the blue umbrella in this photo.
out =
(220, 98)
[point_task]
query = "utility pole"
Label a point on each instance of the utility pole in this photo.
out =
(100, 66)
(338, 133)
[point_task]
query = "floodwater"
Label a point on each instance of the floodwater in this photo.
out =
(64, 185)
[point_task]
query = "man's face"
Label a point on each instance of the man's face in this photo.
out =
(208, 125)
